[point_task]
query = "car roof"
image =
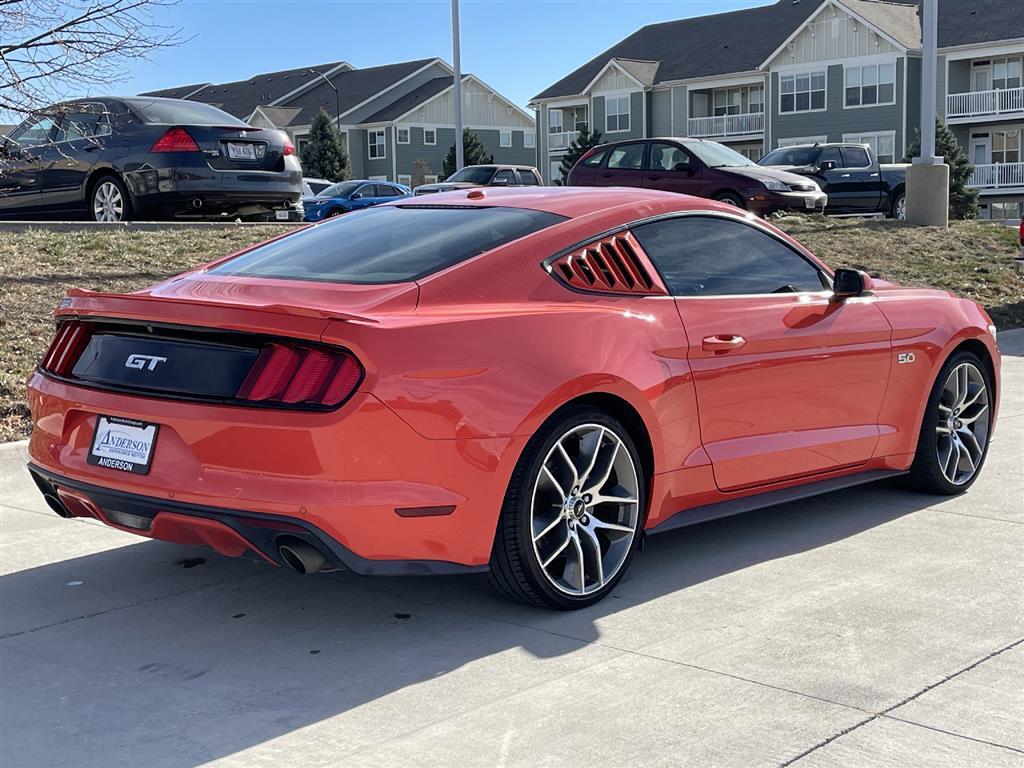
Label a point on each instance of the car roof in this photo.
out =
(502, 165)
(571, 202)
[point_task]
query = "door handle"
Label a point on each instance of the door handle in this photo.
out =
(655, 177)
(607, 175)
(846, 176)
(723, 342)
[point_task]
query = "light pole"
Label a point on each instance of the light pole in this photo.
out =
(928, 176)
(337, 97)
(459, 157)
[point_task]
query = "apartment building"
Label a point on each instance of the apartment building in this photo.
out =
(392, 117)
(807, 70)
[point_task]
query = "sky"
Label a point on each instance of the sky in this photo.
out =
(517, 47)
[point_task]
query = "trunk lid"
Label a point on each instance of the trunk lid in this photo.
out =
(235, 149)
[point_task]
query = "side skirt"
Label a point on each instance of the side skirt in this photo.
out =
(702, 514)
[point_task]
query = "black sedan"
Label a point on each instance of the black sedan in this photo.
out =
(122, 158)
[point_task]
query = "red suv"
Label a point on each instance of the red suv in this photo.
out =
(700, 168)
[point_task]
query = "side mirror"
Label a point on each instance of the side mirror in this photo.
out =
(851, 282)
(827, 165)
(355, 196)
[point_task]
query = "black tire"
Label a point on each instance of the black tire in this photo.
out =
(899, 204)
(731, 198)
(334, 212)
(926, 472)
(100, 193)
(515, 571)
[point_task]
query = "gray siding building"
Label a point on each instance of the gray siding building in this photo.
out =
(397, 120)
(814, 70)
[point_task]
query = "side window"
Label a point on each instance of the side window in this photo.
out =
(856, 157)
(710, 256)
(627, 156)
(666, 157)
(33, 132)
(594, 160)
(833, 154)
(527, 179)
(367, 190)
(508, 176)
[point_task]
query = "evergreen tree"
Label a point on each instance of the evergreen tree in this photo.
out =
(963, 201)
(324, 156)
(473, 153)
(583, 143)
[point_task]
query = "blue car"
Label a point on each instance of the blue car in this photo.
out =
(348, 196)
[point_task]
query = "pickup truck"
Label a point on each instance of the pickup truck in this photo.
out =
(849, 174)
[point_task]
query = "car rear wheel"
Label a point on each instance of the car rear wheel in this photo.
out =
(109, 200)
(899, 207)
(957, 423)
(572, 514)
(334, 212)
(730, 198)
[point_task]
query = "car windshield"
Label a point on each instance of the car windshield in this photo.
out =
(178, 112)
(341, 189)
(387, 244)
(716, 155)
(474, 174)
(789, 156)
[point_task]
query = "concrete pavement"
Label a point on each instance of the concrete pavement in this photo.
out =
(869, 627)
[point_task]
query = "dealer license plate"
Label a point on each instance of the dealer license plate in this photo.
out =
(124, 444)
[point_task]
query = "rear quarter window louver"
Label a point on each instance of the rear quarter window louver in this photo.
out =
(614, 264)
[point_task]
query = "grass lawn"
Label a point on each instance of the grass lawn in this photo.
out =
(36, 268)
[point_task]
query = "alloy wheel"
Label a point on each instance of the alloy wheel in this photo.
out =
(108, 204)
(901, 209)
(963, 426)
(585, 509)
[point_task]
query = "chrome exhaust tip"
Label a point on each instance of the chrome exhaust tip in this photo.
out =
(302, 557)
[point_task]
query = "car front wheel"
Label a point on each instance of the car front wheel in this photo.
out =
(899, 207)
(572, 514)
(109, 201)
(957, 423)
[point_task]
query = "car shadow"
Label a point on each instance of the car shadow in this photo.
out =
(191, 661)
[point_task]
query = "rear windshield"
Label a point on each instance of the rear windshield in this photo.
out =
(388, 244)
(175, 112)
(473, 174)
(790, 156)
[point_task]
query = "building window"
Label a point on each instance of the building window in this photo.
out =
(795, 140)
(430, 178)
(403, 135)
(1001, 211)
(405, 178)
(755, 99)
(300, 143)
(377, 147)
(616, 115)
(802, 92)
(883, 144)
(554, 121)
(1006, 146)
(504, 138)
(1006, 73)
(529, 140)
(870, 85)
(430, 136)
(378, 178)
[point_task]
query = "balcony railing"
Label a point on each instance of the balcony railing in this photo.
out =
(997, 175)
(980, 103)
(562, 140)
(726, 125)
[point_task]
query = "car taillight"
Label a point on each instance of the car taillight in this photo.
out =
(291, 374)
(175, 140)
(67, 345)
(289, 148)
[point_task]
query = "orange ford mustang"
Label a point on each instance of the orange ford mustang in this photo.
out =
(516, 382)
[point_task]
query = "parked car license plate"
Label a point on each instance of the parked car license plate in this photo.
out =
(281, 215)
(237, 151)
(123, 444)
(810, 202)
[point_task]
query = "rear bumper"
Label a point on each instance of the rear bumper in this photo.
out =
(348, 478)
(231, 533)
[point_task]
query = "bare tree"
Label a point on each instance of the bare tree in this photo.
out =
(54, 49)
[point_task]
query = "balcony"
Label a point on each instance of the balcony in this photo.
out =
(985, 103)
(997, 176)
(726, 125)
(562, 140)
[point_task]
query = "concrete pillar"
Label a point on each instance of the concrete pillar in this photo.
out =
(928, 193)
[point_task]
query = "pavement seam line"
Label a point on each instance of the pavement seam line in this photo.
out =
(976, 517)
(828, 741)
(136, 604)
(953, 733)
